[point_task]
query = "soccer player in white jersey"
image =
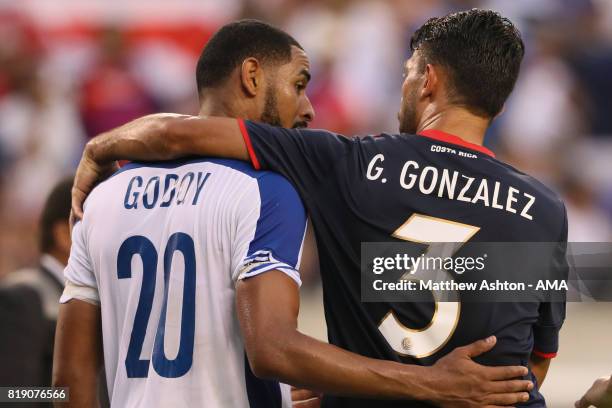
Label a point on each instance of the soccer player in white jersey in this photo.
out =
(173, 261)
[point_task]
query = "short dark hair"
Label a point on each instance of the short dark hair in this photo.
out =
(236, 41)
(56, 209)
(482, 52)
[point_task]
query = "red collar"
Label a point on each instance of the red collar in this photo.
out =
(456, 140)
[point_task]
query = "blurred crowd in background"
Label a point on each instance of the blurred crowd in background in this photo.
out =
(71, 70)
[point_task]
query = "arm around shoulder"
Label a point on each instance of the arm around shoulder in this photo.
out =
(169, 136)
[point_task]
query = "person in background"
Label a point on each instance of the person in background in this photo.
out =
(29, 299)
(29, 303)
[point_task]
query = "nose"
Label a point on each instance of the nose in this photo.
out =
(308, 113)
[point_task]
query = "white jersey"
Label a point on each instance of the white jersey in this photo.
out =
(161, 247)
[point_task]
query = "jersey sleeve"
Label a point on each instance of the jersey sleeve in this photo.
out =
(270, 232)
(304, 156)
(552, 314)
(80, 279)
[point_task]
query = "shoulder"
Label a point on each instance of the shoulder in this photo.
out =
(274, 186)
(388, 143)
(284, 136)
(264, 128)
(270, 186)
(21, 309)
(28, 276)
(244, 168)
(545, 192)
(548, 199)
(267, 181)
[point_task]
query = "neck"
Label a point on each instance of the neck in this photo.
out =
(222, 102)
(459, 122)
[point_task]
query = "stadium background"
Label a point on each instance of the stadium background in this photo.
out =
(70, 70)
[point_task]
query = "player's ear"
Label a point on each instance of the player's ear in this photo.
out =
(251, 76)
(431, 81)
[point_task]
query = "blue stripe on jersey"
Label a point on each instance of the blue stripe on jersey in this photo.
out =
(282, 220)
(261, 393)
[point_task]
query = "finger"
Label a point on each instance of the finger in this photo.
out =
(507, 398)
(72, 220)
(583, 403)
(77, 204)
(505, 373)
(111, 169)
(500, 387)
(479, 347)
(311, 403)
(299, 394)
